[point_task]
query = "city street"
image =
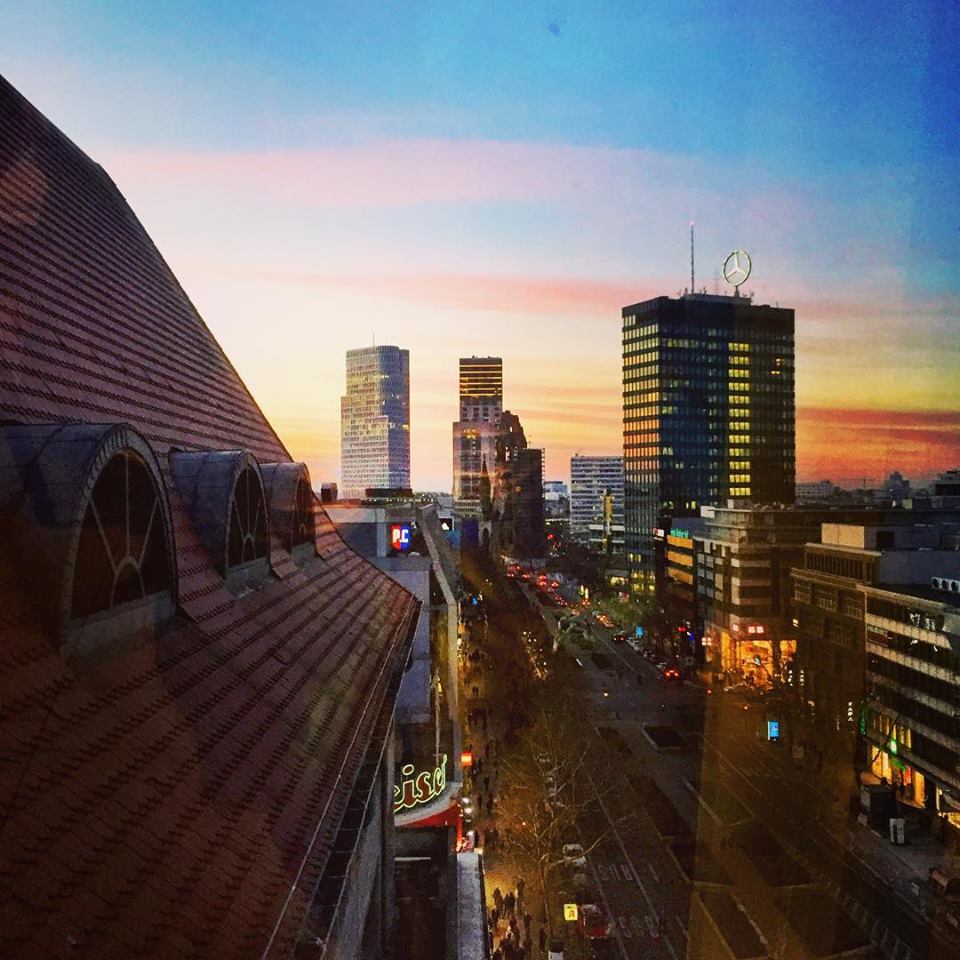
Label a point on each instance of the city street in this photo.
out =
(707, 829)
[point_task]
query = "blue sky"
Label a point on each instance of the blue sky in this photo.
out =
(439, 174)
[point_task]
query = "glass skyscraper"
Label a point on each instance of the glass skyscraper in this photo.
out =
(708, 412)
(375, 421)
(474, 434)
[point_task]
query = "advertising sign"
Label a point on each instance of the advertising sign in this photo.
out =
(773, 730)
(413, 788)
(570, 912)
(400, 537)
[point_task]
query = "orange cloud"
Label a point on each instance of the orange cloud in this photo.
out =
(837, 443)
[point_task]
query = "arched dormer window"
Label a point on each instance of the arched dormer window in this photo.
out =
(247, 539)
(85, 510)
(122, 553)
(291, 500)
(223, 492)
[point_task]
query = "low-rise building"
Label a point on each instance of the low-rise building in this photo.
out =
(743, 562)
(912, 720)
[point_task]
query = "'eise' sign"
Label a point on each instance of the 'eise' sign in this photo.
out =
(413, 789)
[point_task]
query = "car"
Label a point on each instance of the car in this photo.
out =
(593, 922)
(619, 637)
(672, 675)
(634, 644)
(573, 856)
(555, 949)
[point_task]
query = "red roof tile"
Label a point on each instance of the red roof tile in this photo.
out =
(163, 795)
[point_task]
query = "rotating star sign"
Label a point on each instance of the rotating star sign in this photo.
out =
(736, 268)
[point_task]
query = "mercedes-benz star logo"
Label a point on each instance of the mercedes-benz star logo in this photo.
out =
(736, 268)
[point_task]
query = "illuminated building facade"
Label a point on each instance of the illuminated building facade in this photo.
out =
(708, 412)
(744, 559)
(876, 606)
(913, 686)
(375, 421)
(475, 432)
(591, 478)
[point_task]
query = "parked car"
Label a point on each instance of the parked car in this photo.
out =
(555, 949)
(573, 856)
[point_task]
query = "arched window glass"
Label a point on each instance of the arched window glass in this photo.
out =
(303, 526)
(248, 520)
(122, 553)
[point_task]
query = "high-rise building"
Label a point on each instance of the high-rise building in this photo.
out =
(375, 421)
(591, 478)
(708, 412)
(481, 388)
(475, 433)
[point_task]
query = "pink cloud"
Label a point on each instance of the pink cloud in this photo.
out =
(515, 294)
(401, 172)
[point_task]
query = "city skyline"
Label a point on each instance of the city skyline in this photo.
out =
(514, 207)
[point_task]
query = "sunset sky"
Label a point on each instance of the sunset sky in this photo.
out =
(501, 178)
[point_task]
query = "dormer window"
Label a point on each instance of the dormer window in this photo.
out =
(224, 496)
(85, 509)
(122, 553)
(291, 500)
(248, 520)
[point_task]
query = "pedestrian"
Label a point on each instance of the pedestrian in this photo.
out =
(527, 920)
(542, 940)
(497, 898)
(521, 885)
(490, 806)
(486, 783)
(510, 902)
(515, 928)
(495, 917)
(476, 691)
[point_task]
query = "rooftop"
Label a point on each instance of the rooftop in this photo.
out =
(176, 788)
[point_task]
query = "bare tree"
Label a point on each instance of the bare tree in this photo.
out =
(553, 776)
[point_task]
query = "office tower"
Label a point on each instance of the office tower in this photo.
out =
(708, 412)
(475, 433)
(590, 479)
(375, 421)
(481, 388)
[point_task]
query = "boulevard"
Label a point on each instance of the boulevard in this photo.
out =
(705, 841)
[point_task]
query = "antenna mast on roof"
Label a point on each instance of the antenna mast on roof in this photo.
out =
(692, 288)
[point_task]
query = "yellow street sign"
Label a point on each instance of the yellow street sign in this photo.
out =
(570, 911)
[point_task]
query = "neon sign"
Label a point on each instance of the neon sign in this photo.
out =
(400, 537)
(416, 788)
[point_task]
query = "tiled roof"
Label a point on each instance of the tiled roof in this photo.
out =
(161, 799)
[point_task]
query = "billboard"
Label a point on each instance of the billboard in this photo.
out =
(400, 537)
